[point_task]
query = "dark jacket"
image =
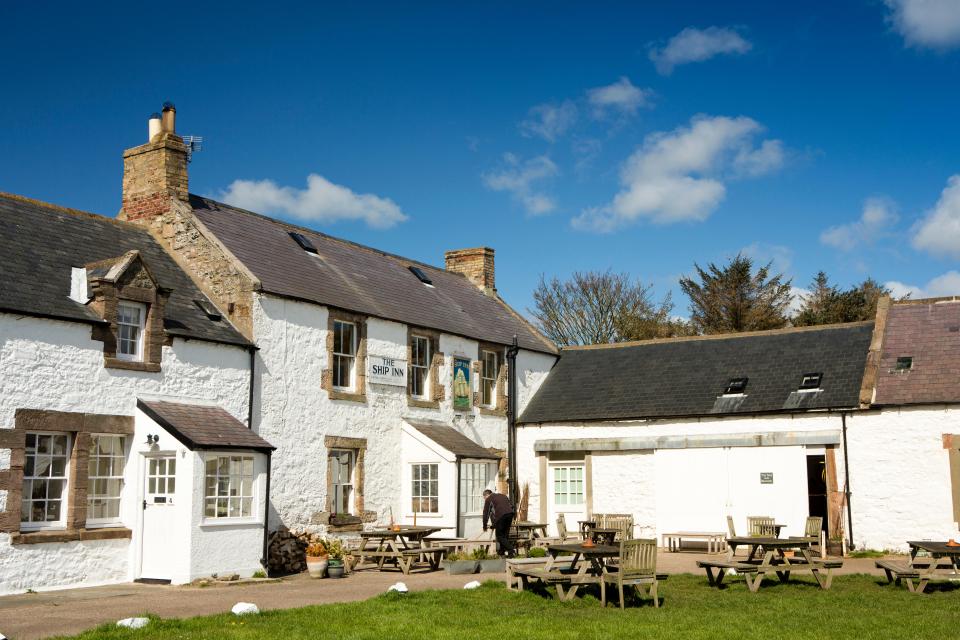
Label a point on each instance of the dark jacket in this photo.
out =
(495, 507)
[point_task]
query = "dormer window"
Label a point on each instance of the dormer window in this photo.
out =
(810, 381)
(131, 318)
(736, 386)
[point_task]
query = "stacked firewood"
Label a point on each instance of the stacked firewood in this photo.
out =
(287, 550)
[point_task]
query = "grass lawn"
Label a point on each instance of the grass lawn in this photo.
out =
(856, 607)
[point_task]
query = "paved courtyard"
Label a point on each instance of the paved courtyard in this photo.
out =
(39, 615)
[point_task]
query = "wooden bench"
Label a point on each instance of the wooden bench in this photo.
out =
(716, 541)
(404, 559)
(514, 565)
(753, 572)
(918, 574)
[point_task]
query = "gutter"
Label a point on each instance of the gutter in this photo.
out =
(252, 349)
(514, 489)
(456, 524)
(846, 490)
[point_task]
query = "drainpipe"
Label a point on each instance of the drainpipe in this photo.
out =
(514, 489)
(253, 366)
(266, 519)
(846, 474)
(457, 523)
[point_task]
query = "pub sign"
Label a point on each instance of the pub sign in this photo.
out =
(462, 400)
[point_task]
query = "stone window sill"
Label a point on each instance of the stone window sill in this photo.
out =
(490, 411)
(70, 535)
(230, 522)
(347, 395)
(130, 365)
(422, 404)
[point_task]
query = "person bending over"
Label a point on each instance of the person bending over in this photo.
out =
(499, 511)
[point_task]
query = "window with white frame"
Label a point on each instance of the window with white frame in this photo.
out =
(45, 468)
(488, 378)
(426, 488)
(131, 317)
(474, 478)
(341, 463)
(419, 366)
(228, 488)
(344, 354)
(568, 485)
(105, 478)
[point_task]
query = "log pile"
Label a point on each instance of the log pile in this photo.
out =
(287, 551)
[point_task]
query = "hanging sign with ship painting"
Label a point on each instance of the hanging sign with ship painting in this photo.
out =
(462, 400)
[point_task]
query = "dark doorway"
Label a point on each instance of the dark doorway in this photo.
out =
(817, 487)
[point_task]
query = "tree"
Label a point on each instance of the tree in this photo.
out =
(733, 298)
(828, 304)
(600, 308)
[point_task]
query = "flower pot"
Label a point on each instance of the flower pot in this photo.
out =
(493, 565)
(316, 566)
(335, 568)
(460, 567)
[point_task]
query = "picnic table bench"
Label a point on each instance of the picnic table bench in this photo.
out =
(716, 541)
(401, 546)
(943, 565)
(773, 561)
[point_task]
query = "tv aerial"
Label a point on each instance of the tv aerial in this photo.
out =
(193, 144)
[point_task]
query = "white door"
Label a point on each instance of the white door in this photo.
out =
(475, 476)
(159, 497)
(565, 493)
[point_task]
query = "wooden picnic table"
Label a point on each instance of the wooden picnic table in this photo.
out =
(604, 536)
(401, 546)
(531, 530)
(585, 567)
(585, 527)
(923, 571)
(768, 555)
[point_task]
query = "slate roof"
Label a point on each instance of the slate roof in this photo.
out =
(361, 279)
(687, 377)
(40, 243)
(452, 440)
(928, 332)
(203, 427)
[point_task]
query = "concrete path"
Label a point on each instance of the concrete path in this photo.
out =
(69, 611)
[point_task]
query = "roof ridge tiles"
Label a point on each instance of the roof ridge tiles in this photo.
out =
(80, 213)
(717, 336)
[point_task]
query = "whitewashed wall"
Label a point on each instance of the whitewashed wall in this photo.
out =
(689, 489)
(416, 448)
(900, 476)
(54, 365)
(295, 413)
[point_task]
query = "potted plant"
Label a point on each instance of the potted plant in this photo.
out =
(317, 558)
(457, 563)
(335, 567)
(488, 563)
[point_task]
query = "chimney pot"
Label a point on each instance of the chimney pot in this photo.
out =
(169, 118)
(153, 126)
(476, 264)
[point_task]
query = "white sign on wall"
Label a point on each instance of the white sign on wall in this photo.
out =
(391, 371)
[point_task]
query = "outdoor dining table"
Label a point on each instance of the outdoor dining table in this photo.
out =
(585, 567)
(771, 548)
(603, 536)
(585, 527)
(531, 530)
(402, 546)
(768, 555)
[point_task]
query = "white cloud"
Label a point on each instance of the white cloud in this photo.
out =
(779, 255)
(947, 284)
(799, 297)
(697, 45)
(767, 157)
(878, 216)
(519, 178)
(678, 176)
(321, 201)
(549, 121)
(939, 232)
(621, 97)
(927, 23)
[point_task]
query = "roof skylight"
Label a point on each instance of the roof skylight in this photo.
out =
(735, 386)
(209, 309)
(904, 363)
(304, 242)
(421, 276)
(810, 381)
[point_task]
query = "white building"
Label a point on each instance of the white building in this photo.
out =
(369, 367)
(95, 318)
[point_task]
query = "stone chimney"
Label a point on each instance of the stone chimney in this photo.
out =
(155, 173)
(476, 264)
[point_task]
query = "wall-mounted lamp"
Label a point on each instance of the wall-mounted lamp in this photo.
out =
(152, 439)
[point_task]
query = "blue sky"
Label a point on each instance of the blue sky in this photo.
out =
(568, 136)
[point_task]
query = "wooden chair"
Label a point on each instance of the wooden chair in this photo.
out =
(761, 527)
(813, 532)
(562, 533)
(732, 530)
(636, 566)
(622, 522)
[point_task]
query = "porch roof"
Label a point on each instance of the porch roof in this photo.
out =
(203, 427)
(452, 440)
